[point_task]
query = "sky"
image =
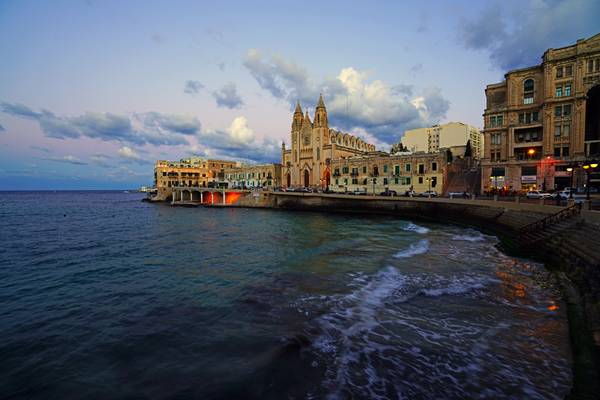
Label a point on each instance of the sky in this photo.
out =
(93, 92)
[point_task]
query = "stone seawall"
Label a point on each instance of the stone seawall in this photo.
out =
(572, 253)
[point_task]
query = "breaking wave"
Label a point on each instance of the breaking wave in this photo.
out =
(414, 249)
(416, 228)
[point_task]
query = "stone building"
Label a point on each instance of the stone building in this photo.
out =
(190, 172)
(313, 146)
(253, 176)
(542, 119)
(376, 173)
(452, 134)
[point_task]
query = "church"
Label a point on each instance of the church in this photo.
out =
(313, 146)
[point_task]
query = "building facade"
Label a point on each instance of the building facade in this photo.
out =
(313, 146)
(452, 134)
(543, 119)
(190, 172)
(254, 176)
(377, 173)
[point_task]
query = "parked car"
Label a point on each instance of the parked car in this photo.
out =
(360, 192)
(389, 193)
(410, 193)
(563, 194)
(456, 195)
(536, 194)
(303, 190)
(429, 193)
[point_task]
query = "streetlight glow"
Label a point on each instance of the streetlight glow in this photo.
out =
(531, 152)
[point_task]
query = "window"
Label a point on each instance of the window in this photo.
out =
(528, 117)
(396, 170)
(421, 168)
(559, 72)
(337, 181)
(559, 91)
(407, 167)
(590, 66)
(433, 181)
(395, 181)
(354, 181)
(496, 120)
(407, 181)
(345, 170)
(528, 87)
(385, 181)
(557, 111)
(364, 170)
(385, 169)
(557, 152)
(566, 110)
(568, 89)
(565, 151)
(569, 70)
(420, 179)
(566, 131)
(496, 138)
(434, 166)
(557, 130)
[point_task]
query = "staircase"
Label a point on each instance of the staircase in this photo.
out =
(462, 177)
(549, 227)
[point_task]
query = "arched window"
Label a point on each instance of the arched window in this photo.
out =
(528, 88)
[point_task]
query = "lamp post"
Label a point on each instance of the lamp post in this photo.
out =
(570, 169)
(428, 187)
(588, 167)
(374, 180)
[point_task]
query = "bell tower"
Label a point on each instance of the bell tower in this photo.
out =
(321, 123)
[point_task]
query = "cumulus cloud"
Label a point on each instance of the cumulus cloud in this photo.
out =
(130, 155)
(192, 87)
(353, 100)
(69, 159)
(139, 129)
(238, 142)
(228, 97)
(516, 34)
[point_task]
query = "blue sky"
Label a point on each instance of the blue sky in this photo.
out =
(92, 92)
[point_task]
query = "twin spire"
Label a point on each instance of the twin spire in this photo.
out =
(320, 104)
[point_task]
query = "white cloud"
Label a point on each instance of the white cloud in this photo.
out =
(129, 153)
(353, 100)
(240, 131)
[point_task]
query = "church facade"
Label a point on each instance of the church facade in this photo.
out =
(313, 147)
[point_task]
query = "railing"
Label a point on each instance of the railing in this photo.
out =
(563, 214)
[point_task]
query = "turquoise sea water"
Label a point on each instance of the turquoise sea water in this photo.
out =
(103, 296)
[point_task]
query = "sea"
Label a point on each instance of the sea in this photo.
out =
(103, 296)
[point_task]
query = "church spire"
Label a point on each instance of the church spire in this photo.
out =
(307, 118)
(321, 114)
(320, 103)
(298, 108)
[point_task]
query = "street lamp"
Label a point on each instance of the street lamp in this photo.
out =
(588, 167)
(428, 187)
(570, 169)
(531, 152)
